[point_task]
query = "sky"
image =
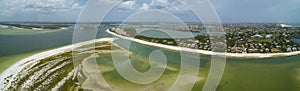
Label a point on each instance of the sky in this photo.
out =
(228, 10)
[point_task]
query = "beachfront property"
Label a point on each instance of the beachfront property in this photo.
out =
(240, 38)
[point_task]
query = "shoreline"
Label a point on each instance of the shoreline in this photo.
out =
(15, 68)
(205, 52)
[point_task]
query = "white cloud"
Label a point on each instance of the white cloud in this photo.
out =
(177, 7)
(127, 5)
(76, 6)
(44, 5)
(39, 10)
(144, 6)
(53, 9)
(170, 5)
(159, 3)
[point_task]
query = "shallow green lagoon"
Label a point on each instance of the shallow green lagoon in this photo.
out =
(271, 74)
(7, 61)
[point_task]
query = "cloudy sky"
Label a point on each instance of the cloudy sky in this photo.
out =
(228, 10)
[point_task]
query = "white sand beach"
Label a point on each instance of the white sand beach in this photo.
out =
(183, 49)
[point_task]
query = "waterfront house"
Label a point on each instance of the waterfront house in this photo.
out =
(170, 42)
(236, 49)
(257, 36)
(269, 36)
(274, 50)
(289, 49)
(267, 50)
(294, 49)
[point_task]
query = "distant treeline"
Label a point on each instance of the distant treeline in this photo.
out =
(42, 26)
(158, 40)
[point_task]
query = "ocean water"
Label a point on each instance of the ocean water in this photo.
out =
(18, 44)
